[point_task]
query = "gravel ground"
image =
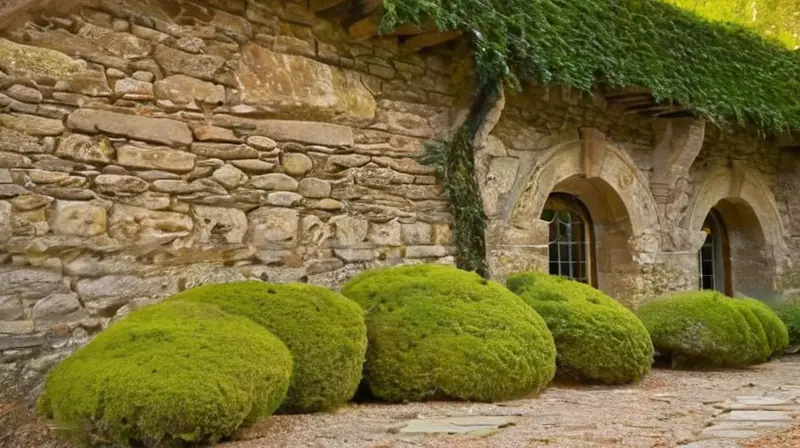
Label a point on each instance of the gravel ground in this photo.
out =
(665, 410)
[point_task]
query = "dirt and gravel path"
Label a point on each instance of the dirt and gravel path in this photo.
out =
(752, 408)
(668, 409)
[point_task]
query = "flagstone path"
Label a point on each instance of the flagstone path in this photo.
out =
(716, 409)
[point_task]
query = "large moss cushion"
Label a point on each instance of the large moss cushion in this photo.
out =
(324, 331)
(170, 374)
(699, 329)
(436, 332)
(597, 339)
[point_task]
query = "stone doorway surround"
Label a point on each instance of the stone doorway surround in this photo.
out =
(750, 214)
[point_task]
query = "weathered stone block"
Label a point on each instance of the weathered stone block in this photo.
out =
(219, 224)
(208, 133)
(283, 198)
(253, 166)
(311, 132)
(17, 141)
(269, 226)
(229, 176)
(25, 60)
(134, 89)
(17, 327)
(302, 86)
(274, 181)
(5, 221)
(83, 148)
(296, 164)
(426, 252)
(418, 233)
(107, 294)
(24, 93)
(26, 283)
(117, 184)
(312, 187)
(11, 308)
(182, 89)
(349, 230)
(224, 151)
(356, 255)
(124, 45)
(386, 234)
(166, 159)
(59, 308)
(77, 218)
(140, 225)
(158, 130)
(201, 66)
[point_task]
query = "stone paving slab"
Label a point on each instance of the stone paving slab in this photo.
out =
(455, 425)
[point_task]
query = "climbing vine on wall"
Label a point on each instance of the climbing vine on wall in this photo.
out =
(454, 161)
(720, 71)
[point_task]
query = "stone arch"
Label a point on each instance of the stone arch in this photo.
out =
(750, 214)
(616, 193)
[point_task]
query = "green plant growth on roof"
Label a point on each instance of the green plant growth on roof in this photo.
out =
(436, 332)
(597, 339)
(172, 374)
(324, 331)
(720, 71)
(775, 19)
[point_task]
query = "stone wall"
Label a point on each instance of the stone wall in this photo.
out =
(648, 184)
(150, 146)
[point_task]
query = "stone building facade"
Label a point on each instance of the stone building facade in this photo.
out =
(148, 146)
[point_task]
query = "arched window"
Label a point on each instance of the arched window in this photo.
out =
(571, 242)
(714, 256)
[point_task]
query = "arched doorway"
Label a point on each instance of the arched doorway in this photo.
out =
(713, 258)
(735, 259)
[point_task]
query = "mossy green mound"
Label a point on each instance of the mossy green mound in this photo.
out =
(774, 329)
(789, 313)
(170, 374)
(759, 350)
(324, 331)
(701, 329)
(436, 332)
(598, 340)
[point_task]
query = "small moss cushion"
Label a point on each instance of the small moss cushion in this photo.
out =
(698, 329)
(598, 340)
(171, 374)
(436, 332)
(324, 331)
(776, 332)
(790, 315)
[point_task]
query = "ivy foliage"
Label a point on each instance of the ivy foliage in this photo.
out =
(720, 71)
(454, 162)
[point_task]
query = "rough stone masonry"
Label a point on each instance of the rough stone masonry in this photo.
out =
(148, 146)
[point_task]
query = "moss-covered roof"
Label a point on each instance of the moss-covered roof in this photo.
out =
(723, 72)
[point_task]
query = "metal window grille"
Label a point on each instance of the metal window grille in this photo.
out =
(568, 245)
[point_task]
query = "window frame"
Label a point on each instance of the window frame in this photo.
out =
(558, 201)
